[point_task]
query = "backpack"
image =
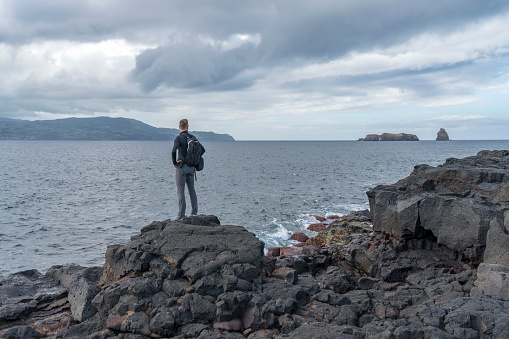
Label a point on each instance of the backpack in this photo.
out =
(194, 154)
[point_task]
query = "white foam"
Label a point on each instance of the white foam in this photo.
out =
(282, 233)
(274, 237)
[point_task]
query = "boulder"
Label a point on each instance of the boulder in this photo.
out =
(340, 231)
(286, 273)
(274, 251)
(463, 204)
(300, 237)
(462, 194)
(196, 250)
(32, 305)
(15, 288)
(298, 261)
(81, 282)
(492, 279)
(319, 218)
(317, 227)
(173, 274)
(24, 332)
(497, 238)
(277, 251)
(337, 280)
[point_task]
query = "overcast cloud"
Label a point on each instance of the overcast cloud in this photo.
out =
(293, 69)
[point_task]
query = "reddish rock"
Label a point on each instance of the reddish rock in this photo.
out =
(334, 217)
(288, 250)
(277, 251)
(274, 251)
(300, 237)
(319, 218)
(52, 324)
(457, 270)
(316, 227)
(301, 244)
(115, 321)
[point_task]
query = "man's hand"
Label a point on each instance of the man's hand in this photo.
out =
(178, 162)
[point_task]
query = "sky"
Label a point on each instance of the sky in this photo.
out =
(263, 70)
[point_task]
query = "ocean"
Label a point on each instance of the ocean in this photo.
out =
(66, 201)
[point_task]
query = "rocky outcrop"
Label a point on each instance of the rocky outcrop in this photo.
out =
(81, 283)
(442, 135)
(431, 263)
(198, 279)
(463, 204)
(32, 303)
(390, 137)
(342, 230)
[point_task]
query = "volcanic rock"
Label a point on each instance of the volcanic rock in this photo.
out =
(412, 275)
(463, 204)
(317, 227)
(319, 218)
(300, 237)
(81, 283)
(340, 231)
(32, 305)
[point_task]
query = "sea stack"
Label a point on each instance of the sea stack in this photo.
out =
(442, 135)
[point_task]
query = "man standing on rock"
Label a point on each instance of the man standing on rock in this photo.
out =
(184, 174)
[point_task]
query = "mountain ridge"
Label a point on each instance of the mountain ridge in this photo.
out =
(96, 128)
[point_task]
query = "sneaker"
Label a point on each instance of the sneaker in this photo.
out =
(177, 218)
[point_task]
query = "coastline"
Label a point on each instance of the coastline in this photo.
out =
(413, 274)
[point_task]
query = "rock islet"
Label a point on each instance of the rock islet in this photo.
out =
(442, 135)
(390, 137)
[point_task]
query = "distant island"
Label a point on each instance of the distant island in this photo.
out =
(390, 137)
(98, 128)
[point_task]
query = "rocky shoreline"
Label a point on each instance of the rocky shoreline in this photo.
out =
(430, 260)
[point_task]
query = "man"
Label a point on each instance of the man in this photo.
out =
(184, 174)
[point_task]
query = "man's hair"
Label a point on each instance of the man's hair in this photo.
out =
(184, 124)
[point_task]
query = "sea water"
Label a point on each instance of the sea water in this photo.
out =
(66, 201)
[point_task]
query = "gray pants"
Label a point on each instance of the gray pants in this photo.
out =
(185, 175)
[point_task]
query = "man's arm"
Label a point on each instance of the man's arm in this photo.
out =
(176, 145)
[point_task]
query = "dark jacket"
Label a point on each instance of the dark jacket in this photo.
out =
(180, 144)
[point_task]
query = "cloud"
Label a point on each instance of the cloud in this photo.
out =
(238, 65)
(147, 21)
(331, 46)
(479, 41)
(68, 77)
(458, 117)
(193, 63)
(64, 68)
